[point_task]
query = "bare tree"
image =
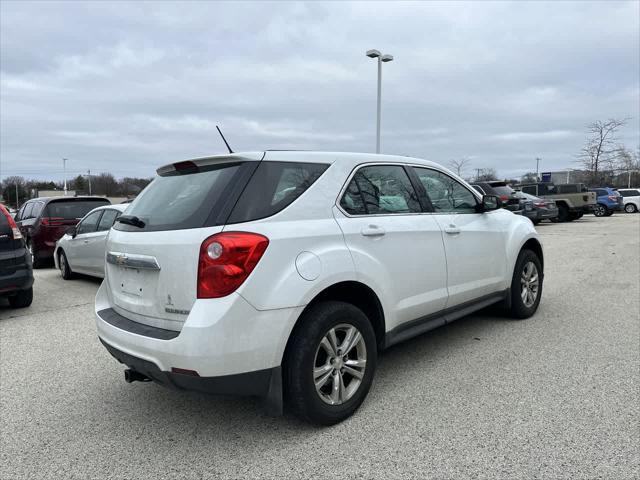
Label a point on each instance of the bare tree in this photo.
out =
(486, 174)
(600, 150)
(627, 163)
(458, 166)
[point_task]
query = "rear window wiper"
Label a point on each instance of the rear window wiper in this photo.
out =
(131, 220)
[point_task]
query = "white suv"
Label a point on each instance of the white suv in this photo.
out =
(282, 274)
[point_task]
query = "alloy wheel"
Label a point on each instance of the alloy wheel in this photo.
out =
(339, 364)
(629, 208)
(530, 283)
(599, 211)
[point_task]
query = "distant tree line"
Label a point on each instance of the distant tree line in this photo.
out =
(103, 184)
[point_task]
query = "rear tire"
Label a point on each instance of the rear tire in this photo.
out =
(526, 282)
(65, 269)
(600, 210)
(308, 362)
(22, 299)
(630, 208)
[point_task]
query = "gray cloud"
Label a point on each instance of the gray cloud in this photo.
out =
(126, 87)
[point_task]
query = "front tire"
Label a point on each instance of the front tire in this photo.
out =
(630, 208)
(330, 362)
(563, 213)
(526, 285)
(63, 263)
(35, 259)
(22, 299)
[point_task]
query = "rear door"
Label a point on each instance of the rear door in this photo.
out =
(79, 248)
(394, 245)
(98, 243)
(474, 242)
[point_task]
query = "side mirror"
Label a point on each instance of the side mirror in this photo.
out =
(491, 202)
(72, 231)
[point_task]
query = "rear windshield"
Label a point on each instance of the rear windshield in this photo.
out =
(72, 209)
(180, 201)
(503, 190)
(214, 195)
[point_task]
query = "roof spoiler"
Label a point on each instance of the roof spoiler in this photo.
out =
(194, 165)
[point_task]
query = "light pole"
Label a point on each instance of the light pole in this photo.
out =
(537, 169)
(381, 58)
(64, 169)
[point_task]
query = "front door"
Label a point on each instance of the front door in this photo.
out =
(474, 242)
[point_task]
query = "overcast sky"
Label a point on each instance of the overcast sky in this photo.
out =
(127, 87)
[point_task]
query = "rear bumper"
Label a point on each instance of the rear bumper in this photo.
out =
(256, 383)
(219, 338)
(547, 213)
(20, 279)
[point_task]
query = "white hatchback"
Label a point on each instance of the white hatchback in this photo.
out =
(630, 199)
(82, 248)
(283, 274)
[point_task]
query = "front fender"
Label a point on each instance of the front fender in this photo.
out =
(518, 235)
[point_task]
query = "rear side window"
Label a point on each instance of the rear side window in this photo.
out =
(273, 187)
(108, 217)
(629, 193)
(601, 192)
(37, 208)
(379, 190)
(531, 190)
(26, 213)
(71, 209)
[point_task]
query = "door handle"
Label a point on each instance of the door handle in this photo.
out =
(372, 231)
(452, 230)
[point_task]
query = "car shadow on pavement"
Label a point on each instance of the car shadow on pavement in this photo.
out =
(141, 403)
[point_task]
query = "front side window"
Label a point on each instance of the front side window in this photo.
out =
(379, 190)
(446, 194)
(108, 217)
(89, 224)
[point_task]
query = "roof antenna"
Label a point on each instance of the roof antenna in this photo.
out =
(224, 140)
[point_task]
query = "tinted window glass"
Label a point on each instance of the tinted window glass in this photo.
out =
(273, 187)
(531, 189)
(503, 190)
(72, 209)
(37, 208)
(108, 217)
(180, 201)
(601, 192)
(445, 193)
(26, 213)
(90, 223)
(478, 189)
(629, 193)
(352, 201)
(386, 189)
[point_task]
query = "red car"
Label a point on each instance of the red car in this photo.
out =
(43, 221)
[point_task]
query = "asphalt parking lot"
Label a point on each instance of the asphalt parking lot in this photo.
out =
(555, 396)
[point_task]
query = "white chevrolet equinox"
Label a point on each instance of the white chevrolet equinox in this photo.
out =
(283, 274)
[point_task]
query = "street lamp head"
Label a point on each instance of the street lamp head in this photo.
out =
(373, 53)
(387, 58)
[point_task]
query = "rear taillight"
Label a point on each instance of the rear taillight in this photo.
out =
(12, 224)
(52, 221)
(504, 198)
(539, 204)
(613, 198)
(226, 260)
